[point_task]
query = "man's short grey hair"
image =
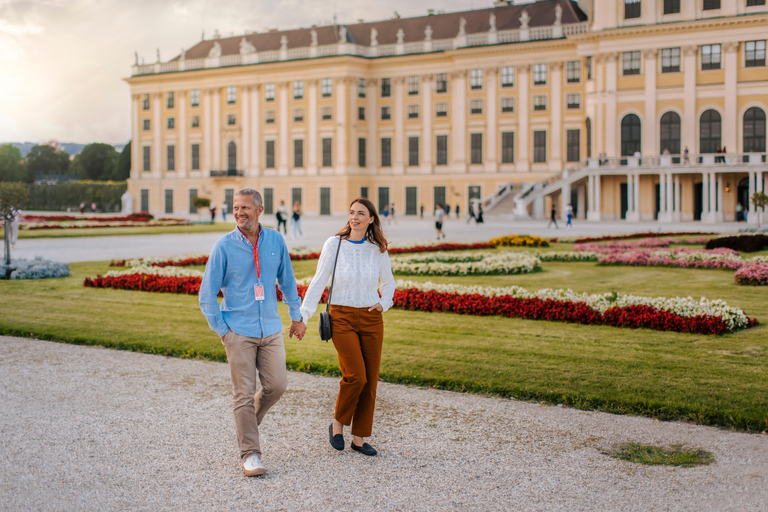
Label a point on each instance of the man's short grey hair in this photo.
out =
(251, 192)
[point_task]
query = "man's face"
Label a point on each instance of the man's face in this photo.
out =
(246, 213)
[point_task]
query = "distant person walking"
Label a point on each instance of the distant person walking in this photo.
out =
(13, 227)
(457, 211)
(296, 218)
(224, 212)
(282, 217)
(569, 216)
(392, 212)
(421, 211)
(479, 218)
(471, 213)
(552, 217)
(439, 214)
(213, 212)
(82, 208)
(385, 213)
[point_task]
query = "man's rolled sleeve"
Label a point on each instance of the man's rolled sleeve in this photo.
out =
(287, 283)
(209, 291)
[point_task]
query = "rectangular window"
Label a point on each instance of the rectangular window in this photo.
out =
(476, 78)
(195, 121)
(361, 85)
(326, 87)
(169, 100)
(573, 100)
(671, 6)
(296, 195)
(573, 71)
(195, 157)
(327, 156)
(631, 9)
(145, 199)
(146, 152)
(192, 196)
(442, 150)
(269, 92)
(194, 97)
(168, 200)
(539, 74)
(361, 152)
(298, 89)
(269, 116)
(441, 82)
(539, 146)
(540, 102)
(670, 60)
(631, 63)
(383, 198)
(231, 95)
(507, 147)
(269, 163)
(754, 53)
(386, 89)
(413, 85)
(508, 104)
(298, 153)
(413, 151)
(573, 144)
(361, 113)
(755, 2)
(145, 102)
(269, 200)
(145, 124)
(326, 113)
(298, 115)
(325, 200)
(386, 152)
(413, 111)
(386, 113)
(411, 194)
(476, 144)
(508, 76)
(229, 199)
(589, 68)
(441, 109)
(711, 4)
(231, 119)
(364, 192)
(170, 151)
(710, 56)
(476, 106)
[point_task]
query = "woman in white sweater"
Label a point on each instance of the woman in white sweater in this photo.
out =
(356, 317)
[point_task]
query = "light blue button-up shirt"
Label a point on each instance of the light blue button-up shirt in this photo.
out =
(232, 270)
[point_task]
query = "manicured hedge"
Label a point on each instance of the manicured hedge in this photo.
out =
(743, 243)
(60, 196)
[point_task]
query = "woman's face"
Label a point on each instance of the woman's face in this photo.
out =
(359, 217)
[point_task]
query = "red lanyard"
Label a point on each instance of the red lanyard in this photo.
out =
(255, 254)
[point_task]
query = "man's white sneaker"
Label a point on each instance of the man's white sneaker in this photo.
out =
(252, 466)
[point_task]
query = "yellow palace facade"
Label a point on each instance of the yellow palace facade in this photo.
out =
(619, 108)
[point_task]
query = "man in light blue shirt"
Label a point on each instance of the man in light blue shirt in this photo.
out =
(245, 264)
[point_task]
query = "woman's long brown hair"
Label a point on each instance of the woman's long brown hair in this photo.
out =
(374, 233)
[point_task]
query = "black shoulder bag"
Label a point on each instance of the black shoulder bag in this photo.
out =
(325, 316)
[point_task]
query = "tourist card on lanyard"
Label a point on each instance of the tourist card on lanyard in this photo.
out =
(258, 289)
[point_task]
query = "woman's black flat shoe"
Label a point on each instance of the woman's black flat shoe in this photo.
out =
(337, 441)
(366, 449)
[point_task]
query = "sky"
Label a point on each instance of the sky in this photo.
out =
(64, 61)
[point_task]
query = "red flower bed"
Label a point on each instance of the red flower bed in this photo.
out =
(148, 283)
(442, 247)
(135, 217)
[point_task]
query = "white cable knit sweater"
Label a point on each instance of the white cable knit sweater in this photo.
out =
(358, 271)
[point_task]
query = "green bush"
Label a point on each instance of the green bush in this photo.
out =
(70, 194)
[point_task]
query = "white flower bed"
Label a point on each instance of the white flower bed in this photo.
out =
(157, 271)
(682, 306)
(149, 261)
(568, 256)
(758, 259)
(442, 264)
(37, 268)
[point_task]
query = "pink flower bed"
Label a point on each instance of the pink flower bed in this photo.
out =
(752, 274)
(645, 258)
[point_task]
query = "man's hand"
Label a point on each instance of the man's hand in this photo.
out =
(376, 307)
(297, 328)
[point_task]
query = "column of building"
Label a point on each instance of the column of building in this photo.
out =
(599, 121)
(245, 128)
(523, 113)
(650, 140)
(491, 130)
(373, 136)
(399, 166)
(633, 212)
(157, 132)
(312, 117)
(556, 124)
(611, 129)
(689, 99)
(136, 162)
(426, 124)
(676, 211)
(207, 132)
(730, 121)
(282, 134)
(255, 140)
(458, 114)
(216, 138)
(343, 125)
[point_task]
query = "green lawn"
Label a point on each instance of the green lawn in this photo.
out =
(717, 380)
(219, 227)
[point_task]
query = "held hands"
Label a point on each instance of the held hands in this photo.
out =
(297, 328)
(376, 307)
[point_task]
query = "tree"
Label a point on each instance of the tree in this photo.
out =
(200, 203)
(95, 162)
(11, 163)
(760, 200)
(44, 159)
(13, 197)
(122, 169)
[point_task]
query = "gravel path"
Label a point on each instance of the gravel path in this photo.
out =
(84, 428)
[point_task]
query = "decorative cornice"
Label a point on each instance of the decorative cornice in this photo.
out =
(690, 49)
(651, 53)
(731, 46)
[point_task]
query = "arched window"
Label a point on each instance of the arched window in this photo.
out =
(709, 132)
(630, 135)
(754, 130)
(232, 156)
(589, 138)
(670, 133)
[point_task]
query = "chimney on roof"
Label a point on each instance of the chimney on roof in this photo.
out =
(430, 12)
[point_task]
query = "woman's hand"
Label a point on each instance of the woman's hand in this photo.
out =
(376, 307)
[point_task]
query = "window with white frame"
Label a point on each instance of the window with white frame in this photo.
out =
(573, 71)
(671, 6)
(361, 85)
(710, 5)
(231, 119)
(194, 97)
(145, 124)
(413, 111)
(476, 106)
(573, 100)
(231, 95)
(269, 116)
(441, 109)
(269, 92)
(326, 87)
(540, 102)
(386, 113)
(169, 100)
(508, 104)
(361, 113)
(670, 60)
(170, 123)
(539, 74)
(508, 76)
(754, 54)
(298, 89)
(710, 56)
(413, 85)
(631, 9)
(195, 121)
(630, 63)
(326, 113)
(476, 78)
(441, 82)
(298, 115)
(145, 102)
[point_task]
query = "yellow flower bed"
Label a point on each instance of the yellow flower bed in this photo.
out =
(519, 241)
